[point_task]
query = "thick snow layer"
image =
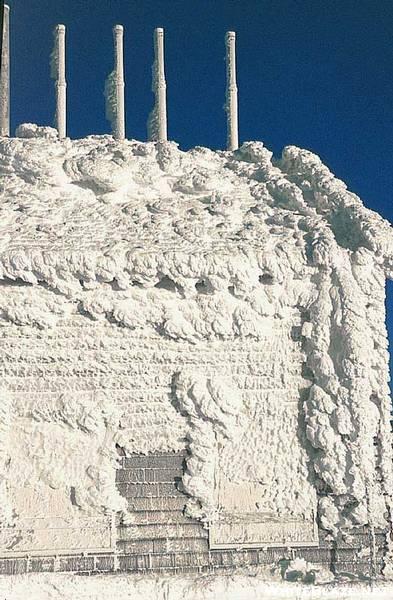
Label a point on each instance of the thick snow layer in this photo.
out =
(203, 587)
(206, 247)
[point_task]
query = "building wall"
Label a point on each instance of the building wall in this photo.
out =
(159, 537)
(82, 391)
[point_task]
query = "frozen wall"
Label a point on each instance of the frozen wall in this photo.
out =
(78, 387)
(154, 300)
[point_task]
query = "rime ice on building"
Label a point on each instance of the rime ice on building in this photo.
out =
(193, 351)
(189, 340)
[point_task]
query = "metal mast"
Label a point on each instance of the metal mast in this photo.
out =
(158, 118)
(60, 84)
(5, 76)
(120, 121)
(231, 93)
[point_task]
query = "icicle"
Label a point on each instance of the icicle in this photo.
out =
(5, 76)
(231, 106)
(58, 73)
(157, 123)
(114, 88)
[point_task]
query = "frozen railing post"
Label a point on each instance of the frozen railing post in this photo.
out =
(58, 72)
(157, 125)
(5, 76)
(120, 122)
(231, 92)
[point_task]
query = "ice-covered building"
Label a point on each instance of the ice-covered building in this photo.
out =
(193, 360)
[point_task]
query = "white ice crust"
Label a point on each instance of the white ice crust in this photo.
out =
(198, 247)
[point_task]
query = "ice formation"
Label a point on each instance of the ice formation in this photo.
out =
(111, 99)
(58, 73)
(114, 88)
(157, 121)
(231, 104)
(257, 286)
(214, 410)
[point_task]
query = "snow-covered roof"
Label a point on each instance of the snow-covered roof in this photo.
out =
(99, 199)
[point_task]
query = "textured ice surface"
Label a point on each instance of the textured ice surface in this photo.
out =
(195, 254)
(110, 98)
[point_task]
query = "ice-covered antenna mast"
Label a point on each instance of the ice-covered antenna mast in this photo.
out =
(231, 93)
(157, 125)
(5, 75)
(58, 73)
(120, 121)
(115, 87)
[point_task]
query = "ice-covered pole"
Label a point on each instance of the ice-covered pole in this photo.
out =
(5, 76)
(120, 121)
(61, 84)
(158, 127)
(231, 92)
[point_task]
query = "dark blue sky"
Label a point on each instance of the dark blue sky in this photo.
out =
(315, 73)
